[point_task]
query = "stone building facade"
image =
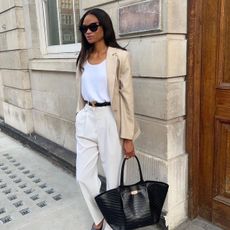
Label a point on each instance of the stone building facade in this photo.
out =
(38, 95)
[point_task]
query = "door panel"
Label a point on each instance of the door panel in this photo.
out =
(214, 194)
(226, 34)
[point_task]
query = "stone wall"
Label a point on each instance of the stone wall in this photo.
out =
(16, 100)
(54, 100)
(37, 92)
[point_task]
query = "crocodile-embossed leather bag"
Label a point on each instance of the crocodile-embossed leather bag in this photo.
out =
(132, 206)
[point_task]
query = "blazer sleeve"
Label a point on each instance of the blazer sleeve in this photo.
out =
(126, 98)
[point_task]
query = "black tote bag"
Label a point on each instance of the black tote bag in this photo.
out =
(132, 206)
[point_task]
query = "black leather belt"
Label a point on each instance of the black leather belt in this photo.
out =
(97, 104)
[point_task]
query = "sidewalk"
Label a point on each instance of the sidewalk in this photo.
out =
(36, 194)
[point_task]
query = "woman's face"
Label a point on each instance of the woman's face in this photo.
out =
(97, 34)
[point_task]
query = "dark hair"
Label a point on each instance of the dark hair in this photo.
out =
(109, 35)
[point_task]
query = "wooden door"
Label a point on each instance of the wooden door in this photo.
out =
(209, 77)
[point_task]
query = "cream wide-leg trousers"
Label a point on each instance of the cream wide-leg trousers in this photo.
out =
(97, 136)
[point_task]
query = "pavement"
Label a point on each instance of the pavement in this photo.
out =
(36, 194)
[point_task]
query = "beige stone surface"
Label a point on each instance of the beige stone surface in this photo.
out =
(55, 129)
(60, 83)
(11, 19)
(56, 104)
(180, 215)
(174, 14)
(18, 118)
(14, 59)
(19, 79)
(33, 39)
(159, 98)
(162, 139)
(18, 97)
(161, 56)
(7, 4)
(12, 40)
(57, 65)
(178, 180)
(177, 16)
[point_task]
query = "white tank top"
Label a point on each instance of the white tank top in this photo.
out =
(94, 86)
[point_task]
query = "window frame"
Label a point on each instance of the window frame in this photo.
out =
(68, 50)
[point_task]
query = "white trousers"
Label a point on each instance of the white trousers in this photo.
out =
(97, 136)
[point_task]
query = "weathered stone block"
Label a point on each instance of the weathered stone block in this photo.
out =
(178, 180)
(14, 59)
(19, 79)
(162, 99)
(56, 104)
(12, 40)
(18, 97)
(33, 26)
(55, 129)
(177, 16)
(5, 5)
(60, 65)
(160, 56)
(177, 216)
(165, 140)
(18, 118)
(54, 82)
(12, 19)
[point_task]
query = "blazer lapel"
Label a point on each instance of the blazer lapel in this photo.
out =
(111, 67)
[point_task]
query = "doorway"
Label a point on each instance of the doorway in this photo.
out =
(208, 110)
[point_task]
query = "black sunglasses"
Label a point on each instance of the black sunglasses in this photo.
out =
(92, 27)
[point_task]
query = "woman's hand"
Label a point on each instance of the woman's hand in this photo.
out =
(128, 147)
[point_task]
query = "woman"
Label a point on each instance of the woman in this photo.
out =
(105, 123)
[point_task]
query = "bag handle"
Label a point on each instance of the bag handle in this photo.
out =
(122, 171)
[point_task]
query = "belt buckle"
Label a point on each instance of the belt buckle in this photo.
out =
(93, 103)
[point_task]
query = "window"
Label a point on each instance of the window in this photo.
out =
(61, 25)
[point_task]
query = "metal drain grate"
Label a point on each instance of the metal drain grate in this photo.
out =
(7, 191)
(3, 185)
(2, 210)
(28, 191)
(50, 191)
(5, 219)
(35, 197)
(25, 211)
(42, 204)
(12, 197)
(57, 197)
(12, 176)
(18, 204)
(43, 186)
(22, 186)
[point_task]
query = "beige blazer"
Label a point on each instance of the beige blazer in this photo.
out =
(120, 90)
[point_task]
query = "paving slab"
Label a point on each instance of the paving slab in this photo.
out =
(36, 194)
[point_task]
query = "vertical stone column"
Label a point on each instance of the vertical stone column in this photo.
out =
(17, 101)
